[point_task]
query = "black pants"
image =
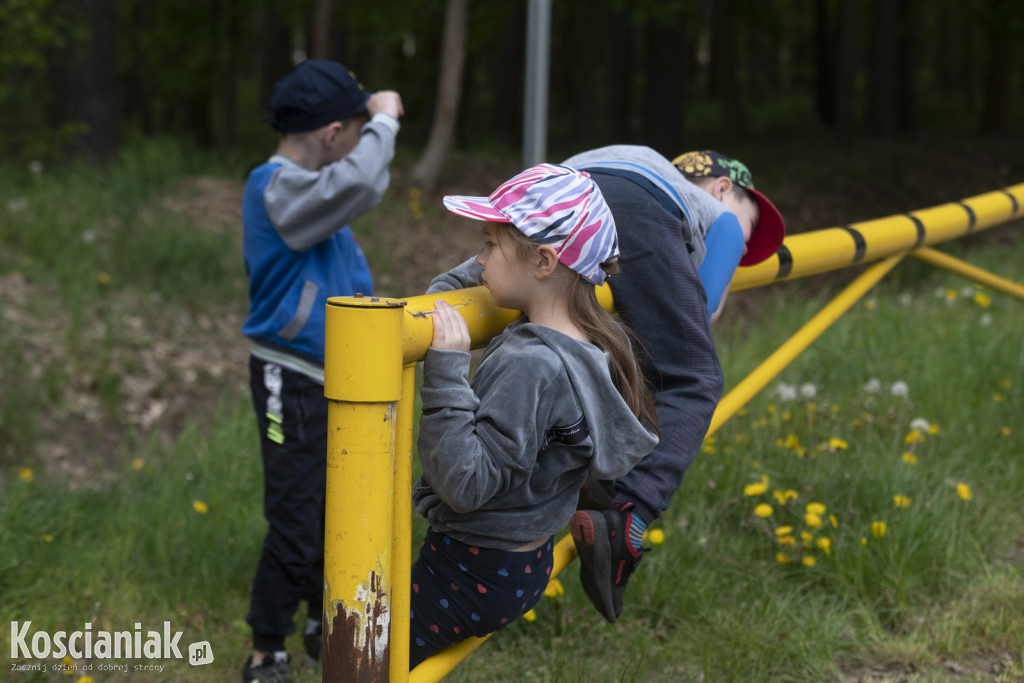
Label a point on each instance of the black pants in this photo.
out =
(292, 415)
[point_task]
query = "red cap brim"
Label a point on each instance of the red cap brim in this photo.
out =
(768, 234)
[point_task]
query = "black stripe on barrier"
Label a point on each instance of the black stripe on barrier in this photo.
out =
(858, 241)
(785, 262)
(972, 219)
(1013, 200)
(920, 229)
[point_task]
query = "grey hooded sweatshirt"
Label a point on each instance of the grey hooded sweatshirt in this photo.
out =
(504, 457)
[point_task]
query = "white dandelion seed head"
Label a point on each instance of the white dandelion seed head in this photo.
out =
(808, 390)
(17, 205)
(35, 167)
(873, 386)
(905, 299)
(785, 392)
(986, 319)
(920, 424)
(967, 291)
(899, 389)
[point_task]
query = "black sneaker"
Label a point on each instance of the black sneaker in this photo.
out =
(275, 668)
(313, 640)
(606, 557)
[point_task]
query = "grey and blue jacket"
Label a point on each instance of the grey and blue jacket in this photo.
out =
(299, 249)
(504, 457)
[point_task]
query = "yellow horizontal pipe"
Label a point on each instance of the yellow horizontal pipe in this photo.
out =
(982, 277)
(485, 319)
(796, 344)
(811, 253)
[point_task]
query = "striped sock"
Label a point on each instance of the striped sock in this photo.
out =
(635, 528)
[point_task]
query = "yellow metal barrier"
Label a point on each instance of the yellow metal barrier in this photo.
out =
(374, 343)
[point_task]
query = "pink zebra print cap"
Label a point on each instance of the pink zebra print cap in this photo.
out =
(554, 205)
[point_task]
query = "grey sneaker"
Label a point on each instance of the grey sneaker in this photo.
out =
(275, 668)
(313, 640)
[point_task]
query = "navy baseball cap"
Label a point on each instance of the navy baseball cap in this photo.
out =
(315, 93)
(770, 230)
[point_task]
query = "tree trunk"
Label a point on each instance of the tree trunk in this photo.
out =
(320, 31)
(723, 66)
(427, 170)
(664, 50)
(84, 76)
(846, 66)
(881, 115)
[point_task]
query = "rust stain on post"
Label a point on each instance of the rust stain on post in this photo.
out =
(357, 644)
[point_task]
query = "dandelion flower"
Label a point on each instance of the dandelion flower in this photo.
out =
(870, 304)
(816, 508)
(782, 558)
(964, 491)
(833, 521)
(914, 436)
(950, 295)
(656, 536)
(997, 397)
(784, 531)
(47, 538)
(873, 386)
(825, 545)
(863, 540)
(138, 463)
(26, 474)
(1006, 431)
(755, 489)
(878, 529)
(84, 679)
(788, 541)
(982, 300)
(530, 616)
(910, 458)
(763, 510)
(554, 589)
(806, 536)
(808, 561)
(899, 389)
(837, 444)
(812, 520)
(103, 278)
(901, 501)
(933, 429)
(200, 507)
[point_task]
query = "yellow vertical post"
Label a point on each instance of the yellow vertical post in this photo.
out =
(401, 542)
(362, 383)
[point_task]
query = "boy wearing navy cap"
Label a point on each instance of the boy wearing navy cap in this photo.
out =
(331, 167)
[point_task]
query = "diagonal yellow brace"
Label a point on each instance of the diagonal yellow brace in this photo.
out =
(979, 275)
(798, 343)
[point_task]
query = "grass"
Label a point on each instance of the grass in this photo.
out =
(172, 531)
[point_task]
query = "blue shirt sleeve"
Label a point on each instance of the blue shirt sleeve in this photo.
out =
(724, 243)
